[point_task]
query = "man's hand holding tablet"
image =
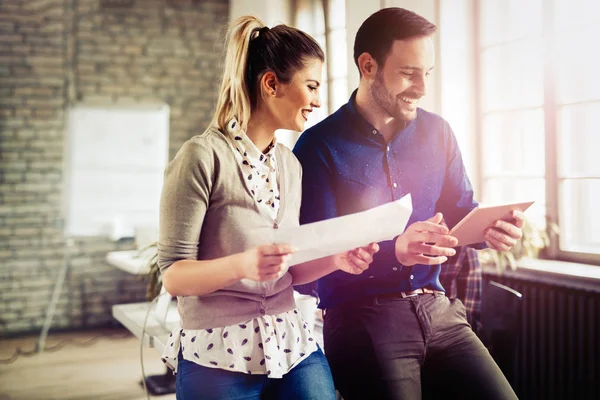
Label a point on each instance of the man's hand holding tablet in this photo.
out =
(498, 226)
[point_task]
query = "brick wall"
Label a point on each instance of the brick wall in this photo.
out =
(54, 53)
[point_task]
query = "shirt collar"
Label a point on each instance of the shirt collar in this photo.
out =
(364, 126)
(245, 146)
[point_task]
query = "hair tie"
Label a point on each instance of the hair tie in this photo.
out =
(260, 31)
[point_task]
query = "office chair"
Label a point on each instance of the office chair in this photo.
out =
(501, 309)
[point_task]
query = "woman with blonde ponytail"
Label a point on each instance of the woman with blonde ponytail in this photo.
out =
(241, 335)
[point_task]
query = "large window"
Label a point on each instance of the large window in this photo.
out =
(325, 20)
(539, 114)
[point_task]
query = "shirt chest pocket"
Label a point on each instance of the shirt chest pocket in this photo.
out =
(359, 195)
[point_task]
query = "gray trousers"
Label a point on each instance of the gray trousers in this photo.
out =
(390, 347)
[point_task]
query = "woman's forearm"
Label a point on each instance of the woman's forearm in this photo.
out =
(196, 278)
(312, 270)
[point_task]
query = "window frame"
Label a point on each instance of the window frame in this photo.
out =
(550, 107)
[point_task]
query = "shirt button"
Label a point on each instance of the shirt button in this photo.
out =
(395, 268)
(395, 184)
(371, 276)
(374, 131)
(388, 148)
(412, 277)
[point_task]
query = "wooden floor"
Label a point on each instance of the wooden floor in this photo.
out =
(107, 370)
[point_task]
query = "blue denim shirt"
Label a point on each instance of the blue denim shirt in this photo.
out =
(348, 167)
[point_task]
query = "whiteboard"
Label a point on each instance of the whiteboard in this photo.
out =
(114, 164)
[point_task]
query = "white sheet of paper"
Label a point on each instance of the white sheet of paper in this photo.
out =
(336, 235)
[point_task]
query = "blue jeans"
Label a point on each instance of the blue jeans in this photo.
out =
(309, 380)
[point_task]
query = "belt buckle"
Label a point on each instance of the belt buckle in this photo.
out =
(412, 293)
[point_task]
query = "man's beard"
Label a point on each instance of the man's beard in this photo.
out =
(387, 102)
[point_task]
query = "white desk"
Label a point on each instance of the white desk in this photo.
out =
(131, 261)
(132, 317)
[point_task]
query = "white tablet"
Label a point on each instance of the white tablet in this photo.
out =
(470, 229)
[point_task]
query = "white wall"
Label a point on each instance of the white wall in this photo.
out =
(457, 79)
(271, 12)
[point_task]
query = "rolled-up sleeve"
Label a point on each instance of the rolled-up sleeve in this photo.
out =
(184, 200)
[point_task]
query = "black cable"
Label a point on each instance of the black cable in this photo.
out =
(144, 325)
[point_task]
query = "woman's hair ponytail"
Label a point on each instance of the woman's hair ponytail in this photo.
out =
(234, 97)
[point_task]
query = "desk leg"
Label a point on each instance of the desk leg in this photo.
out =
(159, 385)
